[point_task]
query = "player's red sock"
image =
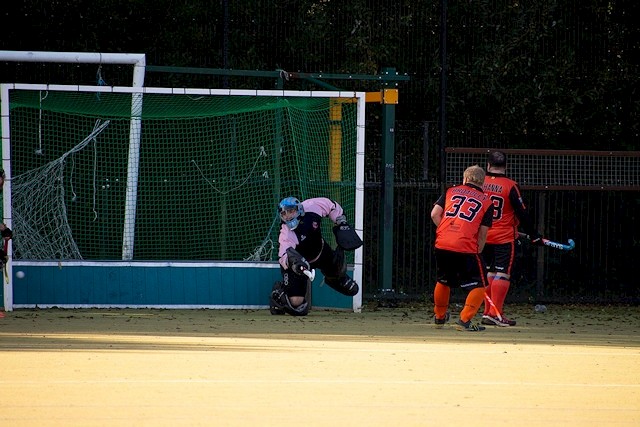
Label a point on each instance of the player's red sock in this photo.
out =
(441, 296)
(472, 304)
(499, 289)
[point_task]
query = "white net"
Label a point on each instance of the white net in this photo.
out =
(190, 177)
(41, 228)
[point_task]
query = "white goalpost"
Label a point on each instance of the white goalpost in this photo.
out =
(137, 60)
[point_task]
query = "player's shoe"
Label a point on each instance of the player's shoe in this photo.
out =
(488, 319)
(468, 326)
(440, 322)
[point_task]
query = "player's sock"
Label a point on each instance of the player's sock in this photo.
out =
(472, 304)
(499, 290)
(441, 296)
(487, 290)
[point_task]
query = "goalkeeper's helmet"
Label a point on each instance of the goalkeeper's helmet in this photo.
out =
(290, 209)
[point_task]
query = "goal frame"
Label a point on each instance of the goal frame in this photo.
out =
(128, 235)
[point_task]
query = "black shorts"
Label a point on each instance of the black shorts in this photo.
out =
(499, 258)
(456, 269)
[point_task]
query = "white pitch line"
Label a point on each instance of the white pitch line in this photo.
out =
(318, 381)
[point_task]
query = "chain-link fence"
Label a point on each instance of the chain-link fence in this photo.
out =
(537, 75)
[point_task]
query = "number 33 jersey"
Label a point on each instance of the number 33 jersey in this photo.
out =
(466, 208)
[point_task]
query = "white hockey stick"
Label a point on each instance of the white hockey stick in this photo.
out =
(311, 274)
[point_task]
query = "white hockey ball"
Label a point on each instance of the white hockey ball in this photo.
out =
(20, 274)
(539, 308)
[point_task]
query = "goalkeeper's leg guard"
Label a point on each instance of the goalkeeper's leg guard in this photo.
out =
(274, 306)
(279, 303)
(345, 285)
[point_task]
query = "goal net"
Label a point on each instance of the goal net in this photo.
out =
(114, 173)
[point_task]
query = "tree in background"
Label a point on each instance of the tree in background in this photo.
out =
(553, 74)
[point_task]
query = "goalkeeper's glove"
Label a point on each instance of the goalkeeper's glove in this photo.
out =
(300, 266)
(7, 233)
(296, 262)
(341, 220)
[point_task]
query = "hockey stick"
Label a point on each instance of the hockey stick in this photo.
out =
(555, 245)
(486, 297)
(311, 274)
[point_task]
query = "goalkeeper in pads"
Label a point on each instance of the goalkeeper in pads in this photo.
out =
(302, 249)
